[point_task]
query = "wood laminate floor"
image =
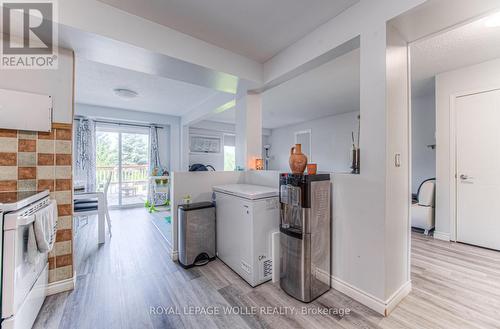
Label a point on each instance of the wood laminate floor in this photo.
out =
(127, 282)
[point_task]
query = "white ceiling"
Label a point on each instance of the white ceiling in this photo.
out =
(95, 83)
(258, 29)
(469, 44)
(329, 89)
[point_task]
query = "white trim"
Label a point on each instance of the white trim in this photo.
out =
(442, 236)
(392, 302)
(409, 159)
(374, 303)
(61, 286)
(301, 132)
(452, 175)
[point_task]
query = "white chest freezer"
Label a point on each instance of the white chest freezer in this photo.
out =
(246, 217)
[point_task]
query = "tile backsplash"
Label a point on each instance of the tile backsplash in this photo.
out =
(43, 161)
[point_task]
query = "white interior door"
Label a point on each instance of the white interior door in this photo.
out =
(478, 169)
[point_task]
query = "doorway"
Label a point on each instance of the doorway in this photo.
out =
(446, 75)
(123, 153)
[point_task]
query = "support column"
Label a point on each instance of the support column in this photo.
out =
(184, 149)
(248, 130)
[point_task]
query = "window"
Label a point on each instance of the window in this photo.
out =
(229, 153)
(229, 158)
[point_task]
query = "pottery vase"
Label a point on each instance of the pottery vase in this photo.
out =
(298, 160)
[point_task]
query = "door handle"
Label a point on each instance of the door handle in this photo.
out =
(465, 177)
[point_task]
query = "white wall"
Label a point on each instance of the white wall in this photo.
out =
(168, 138)
(397, 196)
(474, 78)
(423, 134)
(58, 83)
(331, 142)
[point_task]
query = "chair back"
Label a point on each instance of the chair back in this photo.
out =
(426, 193)
(106, 184)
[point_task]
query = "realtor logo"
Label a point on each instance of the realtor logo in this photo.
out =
(29, 35)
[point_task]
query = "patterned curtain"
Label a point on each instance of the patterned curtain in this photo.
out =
(155, 153)
(85, 157)
(155, 198)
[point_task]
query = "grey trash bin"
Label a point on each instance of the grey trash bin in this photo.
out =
(196, 233)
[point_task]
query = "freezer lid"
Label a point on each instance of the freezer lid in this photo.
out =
(247, 191)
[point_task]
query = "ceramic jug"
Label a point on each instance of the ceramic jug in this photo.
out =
(298, 160)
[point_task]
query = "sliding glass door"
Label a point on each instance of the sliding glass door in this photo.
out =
(123, 153)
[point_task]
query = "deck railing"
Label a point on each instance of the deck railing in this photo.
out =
(132, 175)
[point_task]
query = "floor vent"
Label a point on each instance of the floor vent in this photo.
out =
(268, 267)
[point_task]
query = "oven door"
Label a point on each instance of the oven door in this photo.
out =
(19, 274)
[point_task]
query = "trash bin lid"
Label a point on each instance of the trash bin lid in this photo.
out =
(195, 206)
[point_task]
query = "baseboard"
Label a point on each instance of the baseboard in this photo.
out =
(442, 236)
(397, 297)
(61, 286)
(174, 255)
(370, 301)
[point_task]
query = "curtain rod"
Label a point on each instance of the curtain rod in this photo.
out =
(119, 123)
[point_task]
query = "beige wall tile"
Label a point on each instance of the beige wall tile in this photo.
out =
(63, 147)
(26, 159)
(8, 144)
(62, 248)
(8, 172)
(65, 223)
(45, 172)
(63, 273)
(35, 148)
(26, 185)
(52, 276)
(45, 146)
(63, 172)
(27, 134)
(62, 197)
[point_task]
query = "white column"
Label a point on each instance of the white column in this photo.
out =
(184, 149)
(248, 130)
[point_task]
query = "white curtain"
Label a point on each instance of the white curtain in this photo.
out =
(85, 157)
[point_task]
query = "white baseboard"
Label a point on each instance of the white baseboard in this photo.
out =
(61, 286)
(174, 255)
(376, 304)
(397, 297)
(442, 236)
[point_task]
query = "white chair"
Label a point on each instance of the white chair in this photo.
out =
(106, 188)
(422, 212)
(90, 206)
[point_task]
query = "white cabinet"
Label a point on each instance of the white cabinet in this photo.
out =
(25, 111)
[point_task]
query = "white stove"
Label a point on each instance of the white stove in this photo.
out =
(24, 280)
(11, 201)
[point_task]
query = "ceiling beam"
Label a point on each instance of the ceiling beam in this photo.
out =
(93, 18)
(207, 108)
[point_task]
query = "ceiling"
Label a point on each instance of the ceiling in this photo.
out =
(257, 29)
(95, 83)
(466, 45)
(332, 88)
